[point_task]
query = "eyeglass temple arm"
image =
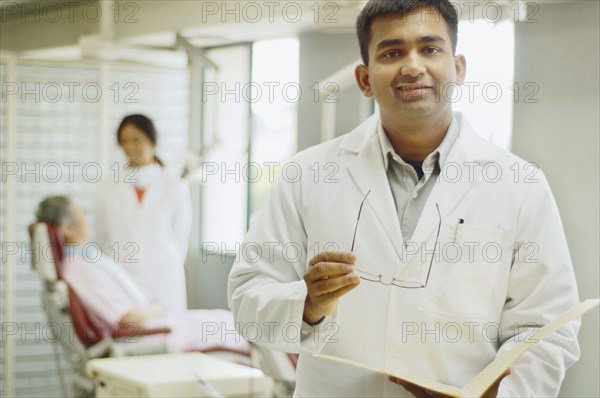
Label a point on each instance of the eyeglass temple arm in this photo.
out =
(436, 241)
(358, 218)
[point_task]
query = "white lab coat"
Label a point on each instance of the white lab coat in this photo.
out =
(474, 301)
(150, 238)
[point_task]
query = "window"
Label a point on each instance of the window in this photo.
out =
(226, 131)
(250, 108)
(274, 114)
(489, 91)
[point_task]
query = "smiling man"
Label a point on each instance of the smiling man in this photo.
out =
(415, 258)
(410, 69)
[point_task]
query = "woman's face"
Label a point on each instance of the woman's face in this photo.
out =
(136, 145)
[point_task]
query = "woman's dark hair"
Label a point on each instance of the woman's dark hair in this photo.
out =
(145, 124)
(375, 8)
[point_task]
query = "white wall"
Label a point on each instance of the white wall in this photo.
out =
(560, 133)
(322, 54)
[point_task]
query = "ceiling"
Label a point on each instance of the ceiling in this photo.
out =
(33, 27)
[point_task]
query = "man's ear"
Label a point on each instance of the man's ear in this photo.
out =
(362, 79)
(460, 63)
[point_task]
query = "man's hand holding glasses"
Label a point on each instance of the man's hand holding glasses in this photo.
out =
(329, 276)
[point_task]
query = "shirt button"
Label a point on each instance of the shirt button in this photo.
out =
(415, 195)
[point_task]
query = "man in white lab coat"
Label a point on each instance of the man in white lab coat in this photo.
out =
(458, 249)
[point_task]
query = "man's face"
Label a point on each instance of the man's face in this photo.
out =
(411, 71)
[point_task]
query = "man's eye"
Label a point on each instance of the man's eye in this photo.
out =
(392, 53)
(431, 50)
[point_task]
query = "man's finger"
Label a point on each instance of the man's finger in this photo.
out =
(341, 291)
(416, 390)
(330, 286)
(337, 256)
(327, 270)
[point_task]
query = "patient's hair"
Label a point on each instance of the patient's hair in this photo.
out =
(375, 8)
(56, 210)
(145, 125)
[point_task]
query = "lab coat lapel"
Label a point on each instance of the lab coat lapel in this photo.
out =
(127, 198)
(367, 171)
(447, 193)
(152, 194)
(460, 173)
(153, 183)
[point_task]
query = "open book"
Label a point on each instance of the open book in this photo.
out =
(482, 381)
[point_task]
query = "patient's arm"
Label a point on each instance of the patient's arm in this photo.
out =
(143, 319)
(142, 313)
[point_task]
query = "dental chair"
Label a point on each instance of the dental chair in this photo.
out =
(79, 336)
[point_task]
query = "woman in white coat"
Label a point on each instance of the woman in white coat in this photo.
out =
(143, 216)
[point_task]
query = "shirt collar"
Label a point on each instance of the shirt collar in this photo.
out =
(386, 146)
(448, 142)
(439, 156)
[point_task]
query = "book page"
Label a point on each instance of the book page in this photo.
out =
(490, 373)
(484, 379)
(420, 381)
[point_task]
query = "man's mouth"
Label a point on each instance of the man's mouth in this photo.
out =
(414, 88)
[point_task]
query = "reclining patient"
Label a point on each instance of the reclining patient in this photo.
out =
(113, 300)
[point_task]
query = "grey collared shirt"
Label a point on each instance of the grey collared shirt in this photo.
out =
(410, 193)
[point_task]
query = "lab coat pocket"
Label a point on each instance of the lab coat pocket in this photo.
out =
(466, 274)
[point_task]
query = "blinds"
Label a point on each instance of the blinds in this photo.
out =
(65, 119)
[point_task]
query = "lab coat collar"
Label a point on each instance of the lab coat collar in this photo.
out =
(357, 139)
(476, 148)
(466, 158)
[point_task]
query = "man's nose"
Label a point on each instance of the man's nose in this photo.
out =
(412, 65)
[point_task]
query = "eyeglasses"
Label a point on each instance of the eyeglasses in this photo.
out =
(379, 278)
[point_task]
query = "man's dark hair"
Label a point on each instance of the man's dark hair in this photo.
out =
(375, 8)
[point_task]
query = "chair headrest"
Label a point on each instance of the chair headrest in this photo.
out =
(47, 244)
